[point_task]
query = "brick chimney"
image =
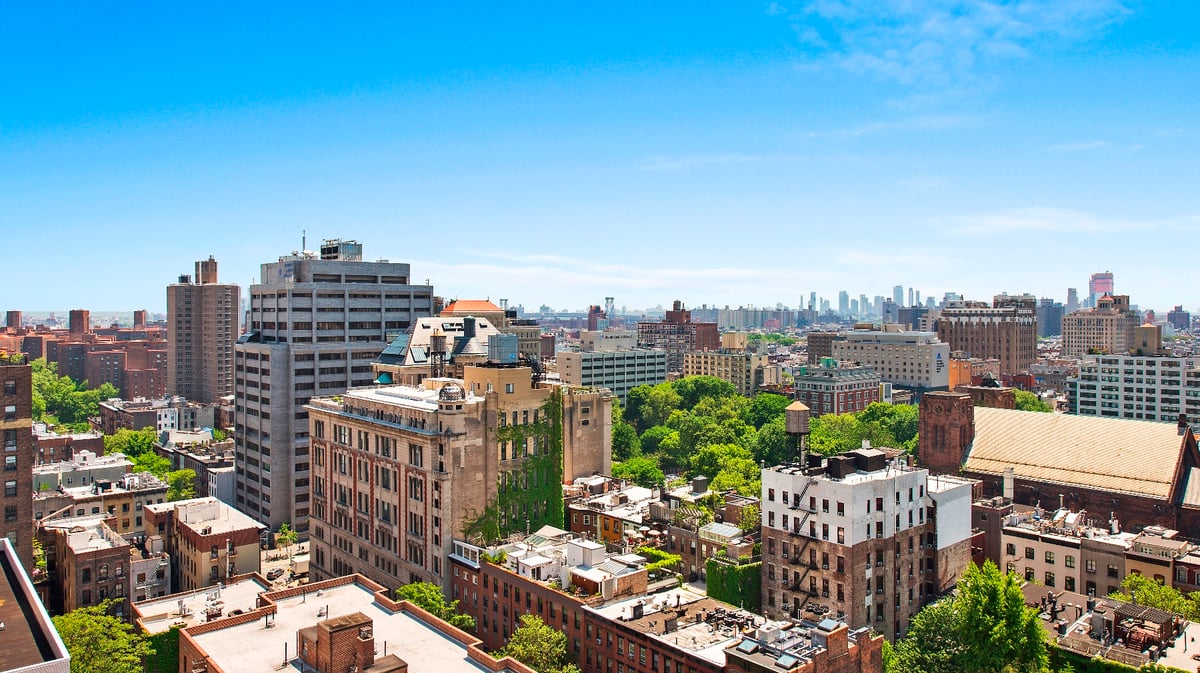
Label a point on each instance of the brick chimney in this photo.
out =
(343, 644)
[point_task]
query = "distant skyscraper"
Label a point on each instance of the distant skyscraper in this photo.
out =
(898, 295)
(911, 294)
(812, 301)
(864, 305)
(916, 298)
(843, 303)
(1099, 285)
(1072, 300)
(202, 321)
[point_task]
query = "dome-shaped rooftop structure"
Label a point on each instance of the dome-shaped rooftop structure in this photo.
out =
(452, 392)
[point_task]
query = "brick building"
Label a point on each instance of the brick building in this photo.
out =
(833, 387)
(677, 334)
(202, 326)
(1147, 471)
(16, 426)
(207, 540)
(1106, 328)
(869, 539)
(1006, 330)
(88, 563)
(400, 471)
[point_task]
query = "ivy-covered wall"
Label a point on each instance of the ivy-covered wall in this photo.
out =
(1062, 660)
(739, 585)
(530, 495)
(166, 652)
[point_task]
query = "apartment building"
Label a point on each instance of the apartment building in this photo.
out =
(315, 326)
(612, 360)
(16, 426)
(914, 360)
(833, 387)
(677, 334)
(400, 471)
(869, 539)
(1106, 328)
(162, 414)
(88, 563)
(208, 541)
(123, 500)
(1153, 388)
(745, 370)
(1006, 330)
(202, 326)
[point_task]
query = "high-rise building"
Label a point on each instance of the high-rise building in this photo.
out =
(1179, 318)
(16, 403)
(1167, 387)
(677, 334)
(914, 360)
(1099, 285)
(611, 359)
(911, 297)
(843, 303)
(1049, 318)
(1006, 330)
(315, 326)
(80, 321)
(1072, 300)
(898, 295)
(1106, 328)
(202, 326)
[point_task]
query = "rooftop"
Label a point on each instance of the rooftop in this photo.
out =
(685, 620)
(206, 514)
(1121, 455)
(253, 647)
(195, 607)
(87, 533)
(28, 637)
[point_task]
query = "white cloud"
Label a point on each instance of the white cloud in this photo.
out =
(940, 43)
(1059, 221)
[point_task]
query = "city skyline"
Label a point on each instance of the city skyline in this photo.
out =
(721, 157)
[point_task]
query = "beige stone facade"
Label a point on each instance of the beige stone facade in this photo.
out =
(399, 471)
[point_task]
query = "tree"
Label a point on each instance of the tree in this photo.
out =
(153, 463)
(286, 537)
(641, 470)
(429, 597)
(1027, 401)
(751, 519)
(772, 445)
(181, 485)
(765, 408)
(739, 474)
(625, 442)
(983, 628)
(218, 435)
(660, 402)
(132, 443)
(1137, 588)
(539, 646)
(101, 643)
(710, 459)
(692, 389)
(653, 437)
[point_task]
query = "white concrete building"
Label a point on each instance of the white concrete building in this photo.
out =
(917, 360)
(1153, 388)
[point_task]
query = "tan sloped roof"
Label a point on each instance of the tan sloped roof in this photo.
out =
(1103, 453)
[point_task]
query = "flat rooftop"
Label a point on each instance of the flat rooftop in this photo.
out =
(28, 637)
(252, 648)
(704, 626)
(160, 614)
(201, 513)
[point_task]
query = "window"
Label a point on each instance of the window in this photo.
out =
(10, 489)
(1090, 565)
(1010, 549)
(1069, 561)
(1028, 574)
(1029, 552)
(508, 388)
(416, 455)
(1049, 559)
(1112, 570)
(1049, 579)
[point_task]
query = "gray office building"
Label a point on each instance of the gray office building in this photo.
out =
(314, 327)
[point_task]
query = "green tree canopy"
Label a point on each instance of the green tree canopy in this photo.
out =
(739, 474)
(710, 459)
(984, 627)
(181, 485)
(539, 646)
(59, 399)
(1137, 588)
(765, 408)
(101, 643)
(430, 598)
(625, 442)
(1027, 401)
(772, 445)
(641, 470)
(653, 437)
(132, 443)
(692, 389)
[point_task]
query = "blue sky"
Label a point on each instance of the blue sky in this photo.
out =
(719, 153)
